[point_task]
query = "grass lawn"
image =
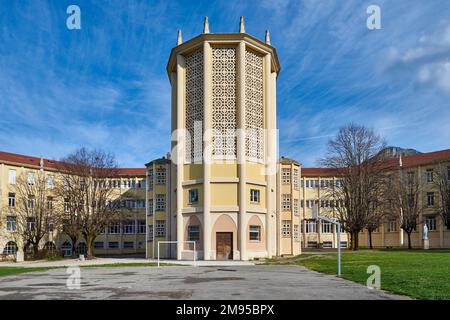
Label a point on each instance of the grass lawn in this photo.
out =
(9, 271)
(415, 273)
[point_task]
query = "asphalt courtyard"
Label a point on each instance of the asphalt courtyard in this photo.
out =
(187, 282)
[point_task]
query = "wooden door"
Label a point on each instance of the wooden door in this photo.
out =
(224, 245)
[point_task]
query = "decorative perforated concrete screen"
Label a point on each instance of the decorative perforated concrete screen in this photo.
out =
(194, 107)
(224, 102)
(254, 142)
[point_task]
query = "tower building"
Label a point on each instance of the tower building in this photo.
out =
(224, 147)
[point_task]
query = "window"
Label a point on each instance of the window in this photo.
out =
(392, 226)
(286, 202)
(310, 226)
(113, 244)
(430, 199)
(306, 183)
(255, 233)
(50, 203)
(429, 175)
(296, 233)
(12, 177)
(99, 245)
(160, 228)
(31, 223)
(10, 248)
(31, 202)
(141, 226)
(51, 182)
(150, 179)
(286, 228)
(295, 179)
(114, 228)
(326, 227)
(150, 207)
(431, 223)
(30, 178)
(193, 196)
(128, 244)
(133, 186)
(160, 202)
(194, 233)
(11, 200)
(11, 223)
(128, 227)
(66, 205)
(296, 212)
(285, 176)
(160, 176)
(254, 196)
(448, 173)
(150, 232)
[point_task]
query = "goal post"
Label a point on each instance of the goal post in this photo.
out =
(177, 243)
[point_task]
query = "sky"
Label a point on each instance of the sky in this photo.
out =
(105, 86)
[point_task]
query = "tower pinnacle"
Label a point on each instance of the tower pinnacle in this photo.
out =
(206, 25)
(241, 25)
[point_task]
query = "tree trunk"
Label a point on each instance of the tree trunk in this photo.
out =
(355, 240)
(90, 246)
(35, 250)
(74, 247)
(351, 240)
(370, 240)
(409, 240)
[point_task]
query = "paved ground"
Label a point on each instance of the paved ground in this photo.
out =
(100, 261)
(177, 282)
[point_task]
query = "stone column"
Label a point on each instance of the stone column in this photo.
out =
(181, 88)
(207, 140)
(241, 158)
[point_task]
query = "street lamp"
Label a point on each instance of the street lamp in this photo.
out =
(315, 213)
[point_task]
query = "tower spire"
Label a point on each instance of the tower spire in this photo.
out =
(241, 25)
(179, 38)
(267, 37)
(206, 25)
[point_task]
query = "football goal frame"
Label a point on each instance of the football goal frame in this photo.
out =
(178, 242)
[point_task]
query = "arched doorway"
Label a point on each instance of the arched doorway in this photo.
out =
(224, 237)
(82, 248)
(66, 249)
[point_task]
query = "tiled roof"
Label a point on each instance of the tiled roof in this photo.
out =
(408, 161)
(34, 162)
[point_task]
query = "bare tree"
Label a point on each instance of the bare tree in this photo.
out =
(403, 200)
(442, 183)
(353, 155)
(89, 196)
(33, 209)
(375, 217)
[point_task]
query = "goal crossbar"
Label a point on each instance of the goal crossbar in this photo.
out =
(177, 242)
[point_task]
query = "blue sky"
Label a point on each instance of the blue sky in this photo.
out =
(105, 86)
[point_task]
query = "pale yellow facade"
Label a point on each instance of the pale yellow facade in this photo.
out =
(128, 237)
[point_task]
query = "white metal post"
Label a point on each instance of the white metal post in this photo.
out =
(339, 247)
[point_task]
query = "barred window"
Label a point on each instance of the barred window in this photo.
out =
(150, 179)
(296, 233)
(160, 176)
(286, 228)
(296, 212)
(160, 228)
(286, 202)
(285, 176)
(295, 179)
(160, 202)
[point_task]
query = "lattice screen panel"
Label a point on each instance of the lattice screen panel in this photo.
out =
(224, 102)
(254, 142)
(194, 106)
